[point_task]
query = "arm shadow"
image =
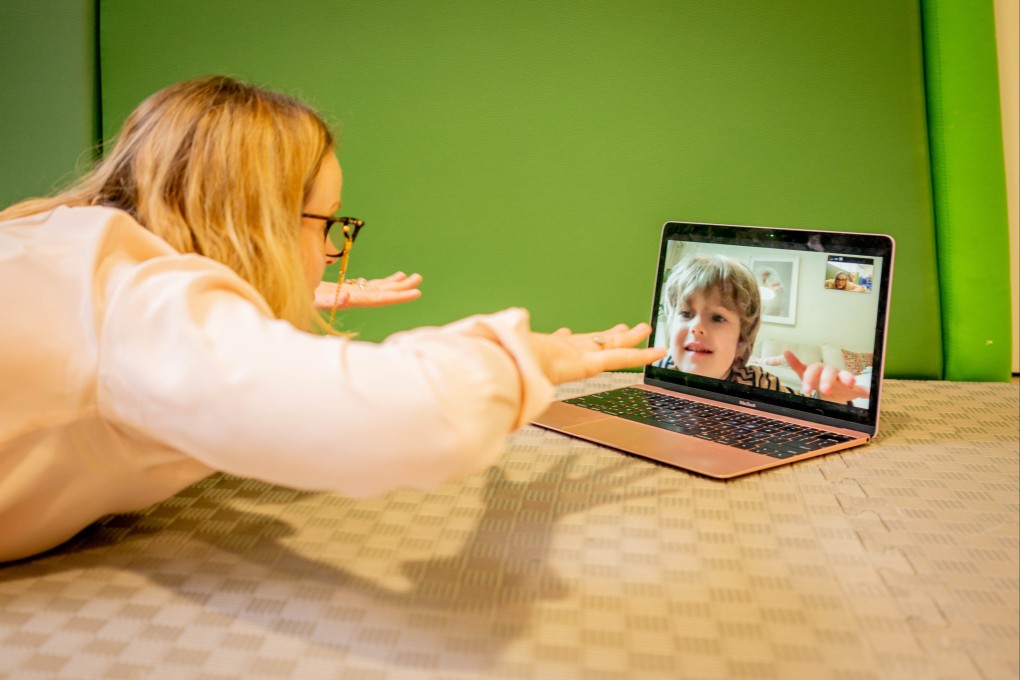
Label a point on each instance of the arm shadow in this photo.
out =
(242, 563)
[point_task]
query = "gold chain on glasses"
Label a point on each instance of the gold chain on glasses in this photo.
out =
(341, 272)
(351, 225)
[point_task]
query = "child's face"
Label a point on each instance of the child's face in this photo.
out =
(704, 336)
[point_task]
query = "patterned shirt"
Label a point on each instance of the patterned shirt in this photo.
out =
(746, 375)
(758, 377)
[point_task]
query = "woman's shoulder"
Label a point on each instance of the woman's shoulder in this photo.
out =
(72, 223)
(107, 244)
(96, 229)
(98, 215)
(31, 212)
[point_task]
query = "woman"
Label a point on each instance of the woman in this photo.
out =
(156, 331)
(843, 282)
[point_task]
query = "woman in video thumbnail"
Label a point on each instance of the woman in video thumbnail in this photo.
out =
(842, 282)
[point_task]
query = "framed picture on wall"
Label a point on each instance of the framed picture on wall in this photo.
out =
(777, 283)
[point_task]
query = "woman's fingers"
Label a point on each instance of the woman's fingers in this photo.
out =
(393, 282)
(615, 359)
(620, 335)
(615, 349)
(566, 356)
(394, 289)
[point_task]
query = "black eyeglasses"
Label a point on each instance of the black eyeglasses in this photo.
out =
(339, 232)
(338, 235)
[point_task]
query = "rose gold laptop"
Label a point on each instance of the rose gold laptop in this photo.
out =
(721, 406)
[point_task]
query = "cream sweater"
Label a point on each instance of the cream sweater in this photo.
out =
(129, 371)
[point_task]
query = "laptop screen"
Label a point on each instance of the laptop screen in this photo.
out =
(747, 313)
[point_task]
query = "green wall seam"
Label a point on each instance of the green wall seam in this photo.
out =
(48, 103)
(969, 188)
(97, 85)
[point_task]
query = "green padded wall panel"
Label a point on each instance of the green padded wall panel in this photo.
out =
(527, 153)
(969, 187)
(48, 122)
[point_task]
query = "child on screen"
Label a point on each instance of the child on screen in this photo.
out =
(713, 313)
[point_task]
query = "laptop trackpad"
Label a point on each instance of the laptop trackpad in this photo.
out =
(627, 435)
(690, 453)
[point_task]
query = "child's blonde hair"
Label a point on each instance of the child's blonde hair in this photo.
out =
(219, 168)
(735, 285)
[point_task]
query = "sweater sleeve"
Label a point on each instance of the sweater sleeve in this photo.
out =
(191, 357)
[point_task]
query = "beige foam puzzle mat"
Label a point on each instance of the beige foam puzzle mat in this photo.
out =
(566, 560)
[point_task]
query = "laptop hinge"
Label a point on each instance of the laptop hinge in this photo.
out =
(764, 407)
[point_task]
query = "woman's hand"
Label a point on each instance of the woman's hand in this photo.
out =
(394, 289)
(566, 356)
(832, 384)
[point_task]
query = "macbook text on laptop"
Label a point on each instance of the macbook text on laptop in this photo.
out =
(745, 312)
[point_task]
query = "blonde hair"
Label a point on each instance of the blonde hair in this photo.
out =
(219, 168)
(735, 285)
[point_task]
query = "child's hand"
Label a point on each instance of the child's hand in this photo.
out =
(831, 383)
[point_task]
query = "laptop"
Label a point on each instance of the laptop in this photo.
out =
(728, 399)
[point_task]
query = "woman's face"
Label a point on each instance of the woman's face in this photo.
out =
(841, 280)
(323, 199)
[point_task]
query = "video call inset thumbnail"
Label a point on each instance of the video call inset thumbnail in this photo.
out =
(849, 274)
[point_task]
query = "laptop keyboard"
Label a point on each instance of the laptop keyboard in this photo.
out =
(768, 437)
